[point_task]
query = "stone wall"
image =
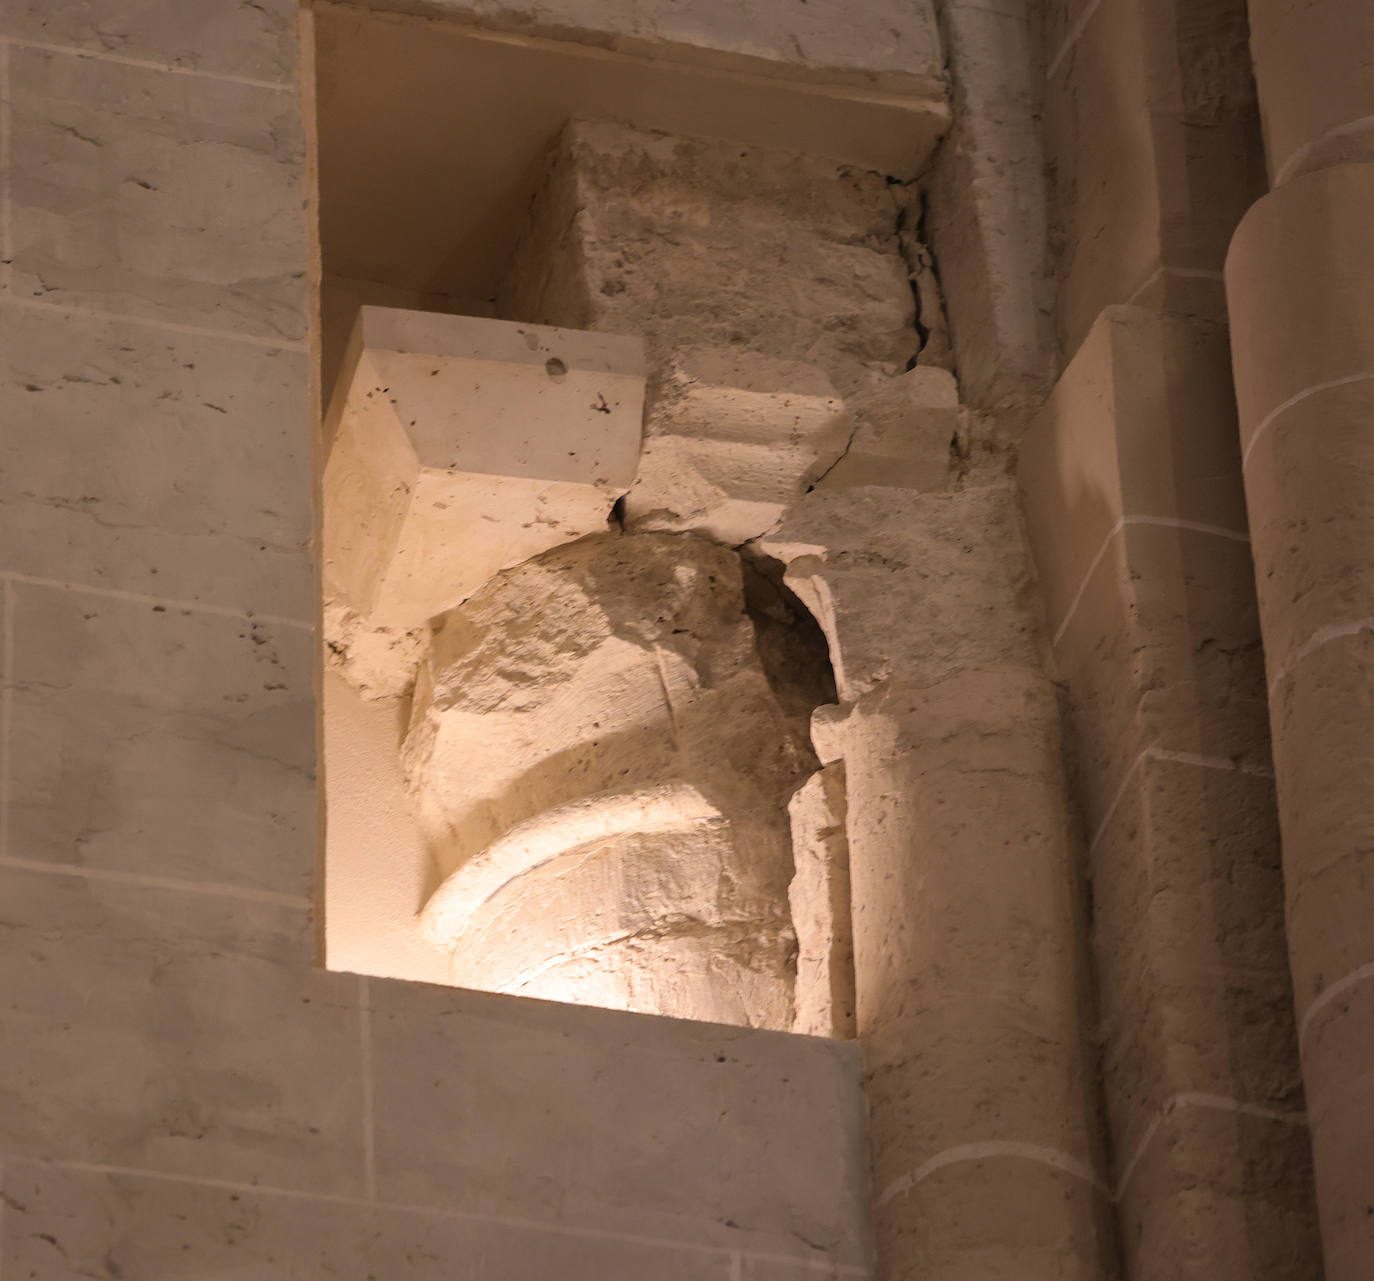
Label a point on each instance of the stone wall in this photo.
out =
(182, 1091)
(1132, 482)
(1047, 804)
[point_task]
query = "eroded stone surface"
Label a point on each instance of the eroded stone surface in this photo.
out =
(961, 559)
(769, 288)
(819, 899)
(576, 687)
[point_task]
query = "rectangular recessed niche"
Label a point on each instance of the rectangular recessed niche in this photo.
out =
(506, 710)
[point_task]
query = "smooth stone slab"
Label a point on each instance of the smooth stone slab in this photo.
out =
(144, 460)
(153, 740)
(466, 446)
(169, 197)
(178, 1032)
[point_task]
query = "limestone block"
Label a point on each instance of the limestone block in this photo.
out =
(1298, 282)
(176, 1032)
(928, 752)
(1190, 951)
(1336, 1056)
(903, 429)
(167, 197)
(466, 446)
(1131, 478)
(255, 41)
(1133, 499)
(378, 872)
(131, 1226)
(733, 437)
(161, 742)
(819, 898)
(1315, 73)
(698, 243)
(1151, 133)
(601, 770)
(1300, 279)
(1191, 1209)
(721, 1138)
(1163, 652)
(1316, 457)
(960, 557)
(1141, 424)
(1324, 760)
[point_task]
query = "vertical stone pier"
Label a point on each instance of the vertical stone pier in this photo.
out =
(1300, 286)
(973, 1002)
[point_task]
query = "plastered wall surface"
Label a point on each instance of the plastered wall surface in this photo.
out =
(182, 1091)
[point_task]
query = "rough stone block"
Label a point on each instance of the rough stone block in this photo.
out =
(845, 547)
(697, 243)
(733, 438)
(903, 429)
(466, 446)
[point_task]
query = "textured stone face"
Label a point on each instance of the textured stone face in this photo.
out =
(770, 289)
(819, 898)
(602, 771)
(960, 557)
(693, 242)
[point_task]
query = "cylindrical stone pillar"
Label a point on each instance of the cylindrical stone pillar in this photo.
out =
(972, 1000)
(1300, 284)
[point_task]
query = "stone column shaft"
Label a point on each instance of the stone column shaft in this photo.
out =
(1300, 279)
(1300, 289)
(970, 991)
(973, 1007)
